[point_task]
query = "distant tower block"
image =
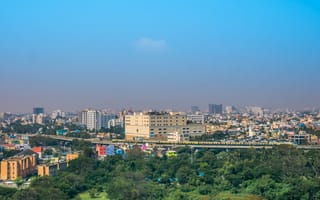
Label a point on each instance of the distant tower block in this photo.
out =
(38, 110)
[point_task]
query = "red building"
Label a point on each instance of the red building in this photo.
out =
(38, 150)
(101, 150)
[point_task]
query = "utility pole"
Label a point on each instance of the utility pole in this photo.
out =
(191, 155)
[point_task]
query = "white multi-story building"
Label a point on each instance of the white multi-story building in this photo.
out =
(198, 119)
(91, 119)
(177, 137)
(57, 113)
(38, 119)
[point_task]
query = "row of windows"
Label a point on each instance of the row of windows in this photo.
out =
(158, 129)
(165, 124)
(167, 120)
(168, 117)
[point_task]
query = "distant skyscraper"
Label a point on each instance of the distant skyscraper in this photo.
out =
(38, 110)
(230, 109)
(195, 109)
(91, 119)
(215, 108)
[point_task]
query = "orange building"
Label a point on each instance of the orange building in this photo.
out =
(51, 169)
(21, 165)
(72, 156)
(48, 170)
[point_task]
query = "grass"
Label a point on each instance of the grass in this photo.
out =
(86, 196)
(228, 196)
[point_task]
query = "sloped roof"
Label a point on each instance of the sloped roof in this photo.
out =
(26, 152)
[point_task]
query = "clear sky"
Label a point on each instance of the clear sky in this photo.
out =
(158, 54)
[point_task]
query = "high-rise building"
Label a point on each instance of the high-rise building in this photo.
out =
(91, 119)
(38, 110)
(194, 109)
(105, 118)
(57, 113)
(5, 115)
(230, 109)
(255, 110)
(215, 109)
(116, 122)
(38, 119)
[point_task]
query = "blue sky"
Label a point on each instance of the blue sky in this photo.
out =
(158, 54)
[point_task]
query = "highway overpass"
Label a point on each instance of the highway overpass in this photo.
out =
(190, 144)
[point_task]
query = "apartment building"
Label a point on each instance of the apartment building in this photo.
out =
(91, 119)
(48, 170)
(51, 169)
(21, 165)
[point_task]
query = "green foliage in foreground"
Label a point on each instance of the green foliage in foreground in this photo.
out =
(95, 195)
(6, 193)
(280, 173)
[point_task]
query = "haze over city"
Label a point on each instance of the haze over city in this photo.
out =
(141, 54)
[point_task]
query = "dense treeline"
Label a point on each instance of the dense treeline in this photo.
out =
(18, 127)
(280, 173)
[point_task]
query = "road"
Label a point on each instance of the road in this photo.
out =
(191, 144)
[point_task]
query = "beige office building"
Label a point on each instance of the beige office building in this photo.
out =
(155, 125)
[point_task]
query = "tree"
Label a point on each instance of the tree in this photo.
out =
(7, 193)
(93, 193)
(184, 174)
(48, 152)
(19, 181)
(268, 188)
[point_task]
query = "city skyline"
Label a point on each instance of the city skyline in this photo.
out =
(202, 110)
(74, 55)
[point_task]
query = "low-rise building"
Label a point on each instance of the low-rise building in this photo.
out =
(8, 147)
(101, 150)
(71, 156)
(38, 150)
(62, 165)
(177, 137)
(300, 138)
(21, 165)
(48, 170)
